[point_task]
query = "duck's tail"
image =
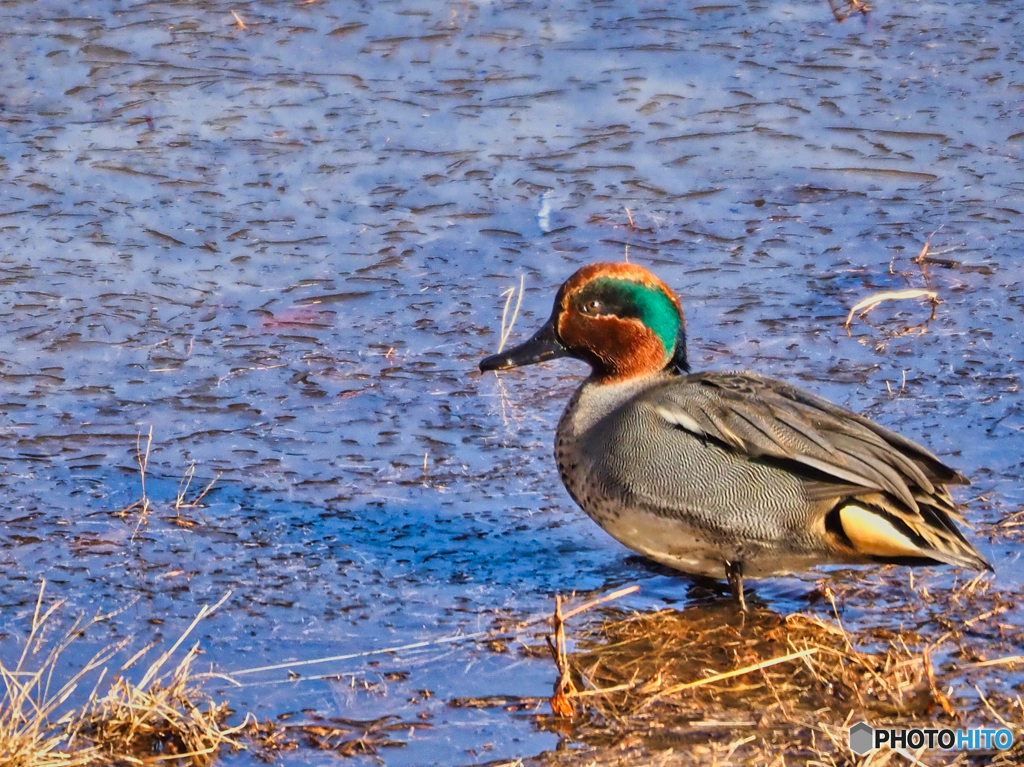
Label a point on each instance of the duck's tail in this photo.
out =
(874, 527)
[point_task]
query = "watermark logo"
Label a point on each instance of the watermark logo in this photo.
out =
(864, 738)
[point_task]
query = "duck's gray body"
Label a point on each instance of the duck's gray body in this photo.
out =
(700, 471)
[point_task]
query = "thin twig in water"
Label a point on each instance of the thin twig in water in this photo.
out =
(831, 595)
(368, 653)
(924, 250)
(186, 480)
(503, 397)
(240, 371)
(142, 458)
(600, 600)
(1009, 660)
(853, 6)
(144, 464)
(927, 257)
(929, 672)
(198, 498)
(564, 687)
(991, 709)
(871, 302)
(205, 611)
(180, 502)
(506, 329)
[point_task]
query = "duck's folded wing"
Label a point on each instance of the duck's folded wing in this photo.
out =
(762, 418)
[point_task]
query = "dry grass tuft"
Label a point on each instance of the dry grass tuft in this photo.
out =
(145, 504)
(168, 716)
(718, 658)
(34, 731)
(164, 716)
(166, 713)
(142, 458)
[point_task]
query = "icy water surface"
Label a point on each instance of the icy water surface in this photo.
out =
(283, 246)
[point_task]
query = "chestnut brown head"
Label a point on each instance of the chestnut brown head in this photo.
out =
(619, 318)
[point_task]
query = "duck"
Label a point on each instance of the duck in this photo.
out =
(727, 475)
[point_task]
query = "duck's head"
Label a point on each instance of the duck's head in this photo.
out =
(619, 318)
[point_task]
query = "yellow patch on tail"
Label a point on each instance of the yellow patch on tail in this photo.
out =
(873, 535)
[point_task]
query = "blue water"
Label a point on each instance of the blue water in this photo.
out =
(283, 247)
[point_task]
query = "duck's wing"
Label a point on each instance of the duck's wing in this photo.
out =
(891, 500)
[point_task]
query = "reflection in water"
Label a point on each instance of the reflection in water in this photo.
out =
(283, 246)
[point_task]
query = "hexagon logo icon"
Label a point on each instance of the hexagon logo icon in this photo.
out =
(862, 738)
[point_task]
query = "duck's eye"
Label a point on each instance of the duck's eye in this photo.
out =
(592, 307)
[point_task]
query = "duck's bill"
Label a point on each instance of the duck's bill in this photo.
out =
(543, 346)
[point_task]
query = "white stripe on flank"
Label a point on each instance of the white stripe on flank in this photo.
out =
(679, 418)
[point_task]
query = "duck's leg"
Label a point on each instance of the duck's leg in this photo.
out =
(734, 572)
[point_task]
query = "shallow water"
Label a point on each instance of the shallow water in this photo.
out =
(283, 247)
